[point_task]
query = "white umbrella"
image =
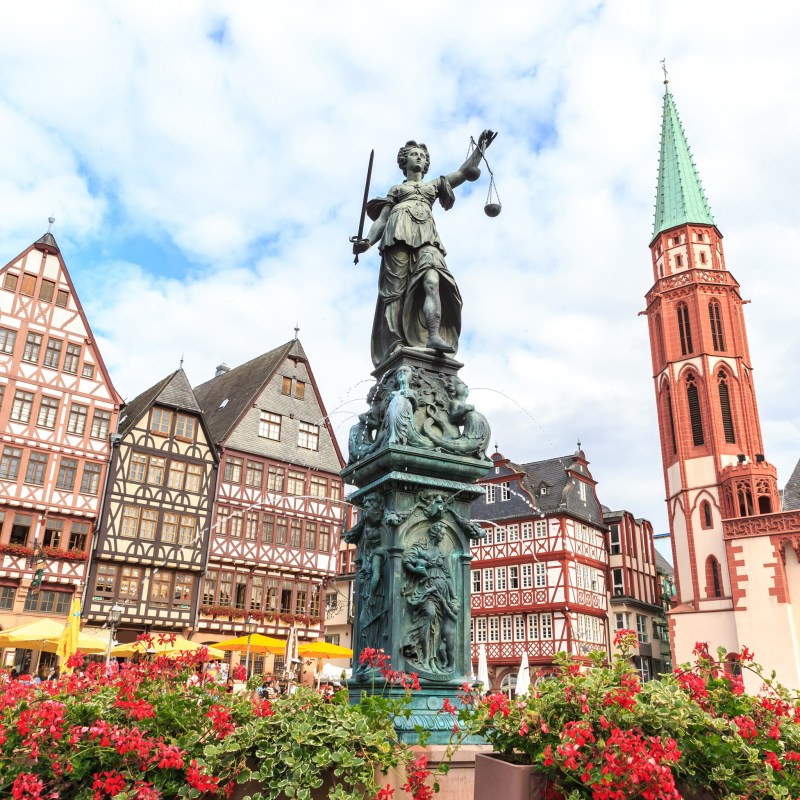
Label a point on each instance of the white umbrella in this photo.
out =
(523, 676)
(483, 668)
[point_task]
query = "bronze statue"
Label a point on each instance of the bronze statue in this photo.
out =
(419, 304)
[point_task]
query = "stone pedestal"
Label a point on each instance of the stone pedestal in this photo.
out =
(415, 455)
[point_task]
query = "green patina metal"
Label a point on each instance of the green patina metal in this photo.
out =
(680, 197)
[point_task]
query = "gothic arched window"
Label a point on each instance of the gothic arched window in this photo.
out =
(671, 421)
(660, 340)
(725, 408)
(716, 326)
(695, 417)
(684, 329)
(713, 578)
(705, 514)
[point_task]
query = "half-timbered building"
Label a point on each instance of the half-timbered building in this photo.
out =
(635, 588)
(152, 543)
(279, 504)
(539, 576)
(57, 408)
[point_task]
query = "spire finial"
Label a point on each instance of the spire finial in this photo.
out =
(579, 444)
(51, 219)
(664, 67)
(181, 364)
(296, 330)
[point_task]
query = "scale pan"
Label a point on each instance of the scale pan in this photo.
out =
(492, 209)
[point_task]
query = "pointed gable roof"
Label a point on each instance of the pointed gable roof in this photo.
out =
(680, 197)
(225, 398)
(791, 492)
(47, 244)
(174, 391)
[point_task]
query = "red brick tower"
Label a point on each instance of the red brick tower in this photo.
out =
(729, 537)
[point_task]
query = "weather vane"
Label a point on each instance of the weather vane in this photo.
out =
(664, 67)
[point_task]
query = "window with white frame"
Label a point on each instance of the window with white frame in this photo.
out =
(269, 426)
(641, 629)
(489, 539)
(533, 627)
(308, 436)
(519, 628)
(527, 531)
(513, 533)
(500, 578)
(541, 529)
(490, 493)
(480, 629)
(494, 629)
(505, 491)
(506, 630)
(513, 576)
(527, 576)
(547, 626)
(499, 535)
(476, 581)
(541, 575)
(620, 621)
(488, 580)
(614, 542)
(582, 490)
(617, 582)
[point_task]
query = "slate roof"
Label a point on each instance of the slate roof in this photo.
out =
(555, 474)
(680, 197)
(663, 567)
(791, 492)
(174, 391)
(225, 398)
(48, 242)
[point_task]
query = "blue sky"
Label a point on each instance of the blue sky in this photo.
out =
(205, 164)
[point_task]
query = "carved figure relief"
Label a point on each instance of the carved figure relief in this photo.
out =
(417, 407)
(430, 595)
(372, 534)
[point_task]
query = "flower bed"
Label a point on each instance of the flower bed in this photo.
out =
(599, 733)
(142, 734)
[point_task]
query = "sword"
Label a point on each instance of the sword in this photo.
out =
(360, 234)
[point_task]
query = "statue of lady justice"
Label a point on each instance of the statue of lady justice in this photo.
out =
(419, 304)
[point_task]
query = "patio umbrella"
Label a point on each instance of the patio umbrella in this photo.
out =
(523, 676)
(323, 650)
(87, 643)
(483, 668)
(68, 641)
(32, 635)
(180, 645)
(258, 644)
(290, 654)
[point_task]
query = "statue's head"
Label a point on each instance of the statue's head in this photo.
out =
(402, 156)
(437, 531)
(373, 507)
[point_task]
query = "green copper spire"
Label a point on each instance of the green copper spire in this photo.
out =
(680, 197)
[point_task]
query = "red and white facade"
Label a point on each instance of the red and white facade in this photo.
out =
(278, 512)
(57, 408)
(539, 578)
(736, 554)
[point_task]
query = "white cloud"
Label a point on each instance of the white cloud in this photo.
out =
(240, 135)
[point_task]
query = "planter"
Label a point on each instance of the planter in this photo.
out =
(497, 777)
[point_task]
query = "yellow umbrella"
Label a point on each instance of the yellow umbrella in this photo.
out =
(68, 641)
(323, 650)
(180, 645)
(32, 635)
(258, 644)
(86, 644)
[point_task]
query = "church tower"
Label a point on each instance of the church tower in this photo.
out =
(735, 553)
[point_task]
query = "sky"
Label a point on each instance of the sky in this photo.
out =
(205, 164)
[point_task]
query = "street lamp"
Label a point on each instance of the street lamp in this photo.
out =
(250, 628)
(114, 616)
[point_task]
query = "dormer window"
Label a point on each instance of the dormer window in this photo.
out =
(582, 490)
(543, 489)
(491, 493)
(505, 491)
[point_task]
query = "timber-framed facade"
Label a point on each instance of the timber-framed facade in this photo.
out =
(279, 509)
(57, 408)
(152, 543)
